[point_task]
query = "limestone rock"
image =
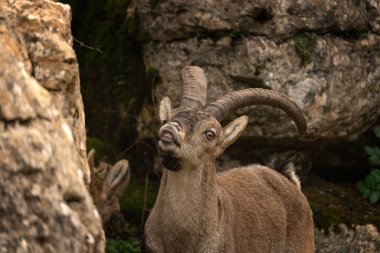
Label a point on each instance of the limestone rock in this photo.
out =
(332, 74)
(45, 205)
(178, 19)
(374, 15)
(358, 239)
(43, 27)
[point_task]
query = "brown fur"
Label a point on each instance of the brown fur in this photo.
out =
(248, 209)
(107, 185)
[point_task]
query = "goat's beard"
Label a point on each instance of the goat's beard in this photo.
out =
(171, 162)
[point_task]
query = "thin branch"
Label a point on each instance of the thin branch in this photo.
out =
(86, 46)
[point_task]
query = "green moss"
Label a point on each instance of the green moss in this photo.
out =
(133, 25)
(324, 217)
(119, 246)
(305, 44)
(238, 34)
(150, 71)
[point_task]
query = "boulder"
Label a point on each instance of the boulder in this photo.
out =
(44, 29)
(172, 20)
(328, 69)
(45, 205)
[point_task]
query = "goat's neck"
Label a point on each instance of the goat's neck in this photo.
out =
(186, 197)
(191, 185)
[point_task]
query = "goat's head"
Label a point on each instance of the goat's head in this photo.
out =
(107, 185)
(192, 134)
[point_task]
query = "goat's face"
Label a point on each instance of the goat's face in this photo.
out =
(193, 137)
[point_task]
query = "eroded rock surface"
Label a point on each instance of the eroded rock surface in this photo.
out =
(43, 29)
(45, 206)
(178, 19)
(358, 239)
(330, 71)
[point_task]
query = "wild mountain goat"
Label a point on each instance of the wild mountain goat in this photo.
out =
(247, 209)
(107, 185)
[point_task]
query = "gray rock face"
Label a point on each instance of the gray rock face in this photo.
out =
(45, 206)
(331, 74)
(179, 19)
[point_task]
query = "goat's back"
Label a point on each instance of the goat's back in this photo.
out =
(268, 212)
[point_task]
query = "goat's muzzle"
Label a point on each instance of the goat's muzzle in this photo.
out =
(169, 140)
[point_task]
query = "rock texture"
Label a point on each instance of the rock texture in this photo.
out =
(45, 206)
(358, 239)
(43, 27)
(330, 70)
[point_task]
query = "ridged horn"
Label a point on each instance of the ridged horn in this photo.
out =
(238, 99)
(194, 88)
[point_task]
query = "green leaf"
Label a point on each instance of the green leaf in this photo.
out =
(374, 196)
(376, 130)
(362, 188)
(370, 181)
(376, 175)
(370, 150)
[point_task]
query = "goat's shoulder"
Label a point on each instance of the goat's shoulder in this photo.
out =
(256, 172)
(258, 180)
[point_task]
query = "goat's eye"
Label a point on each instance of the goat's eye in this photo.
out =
(164, 122)
(210, 135)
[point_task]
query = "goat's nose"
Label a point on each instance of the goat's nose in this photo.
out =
(176, 125)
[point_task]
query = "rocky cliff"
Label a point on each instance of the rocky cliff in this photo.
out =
(45, 206)
(324, 55)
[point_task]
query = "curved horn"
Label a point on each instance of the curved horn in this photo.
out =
(194, 91)
(237, 99)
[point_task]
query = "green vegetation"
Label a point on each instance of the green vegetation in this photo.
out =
(132, 202)
(325, 216)
(103, 150)
(305, 44)
(114, 83)
(119, 246)
(238, 34)
(370, 187)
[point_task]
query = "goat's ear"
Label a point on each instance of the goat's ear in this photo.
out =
(232, 131)
(165, 108)
(117, 179)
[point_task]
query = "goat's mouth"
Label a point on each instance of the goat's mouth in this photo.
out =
(169, 140)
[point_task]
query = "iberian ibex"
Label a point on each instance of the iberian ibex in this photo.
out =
(248, 209)
(107, 185)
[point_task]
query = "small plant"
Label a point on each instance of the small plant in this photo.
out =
(238, 34)
(305, 44)
(370, 187)
(119, 246)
